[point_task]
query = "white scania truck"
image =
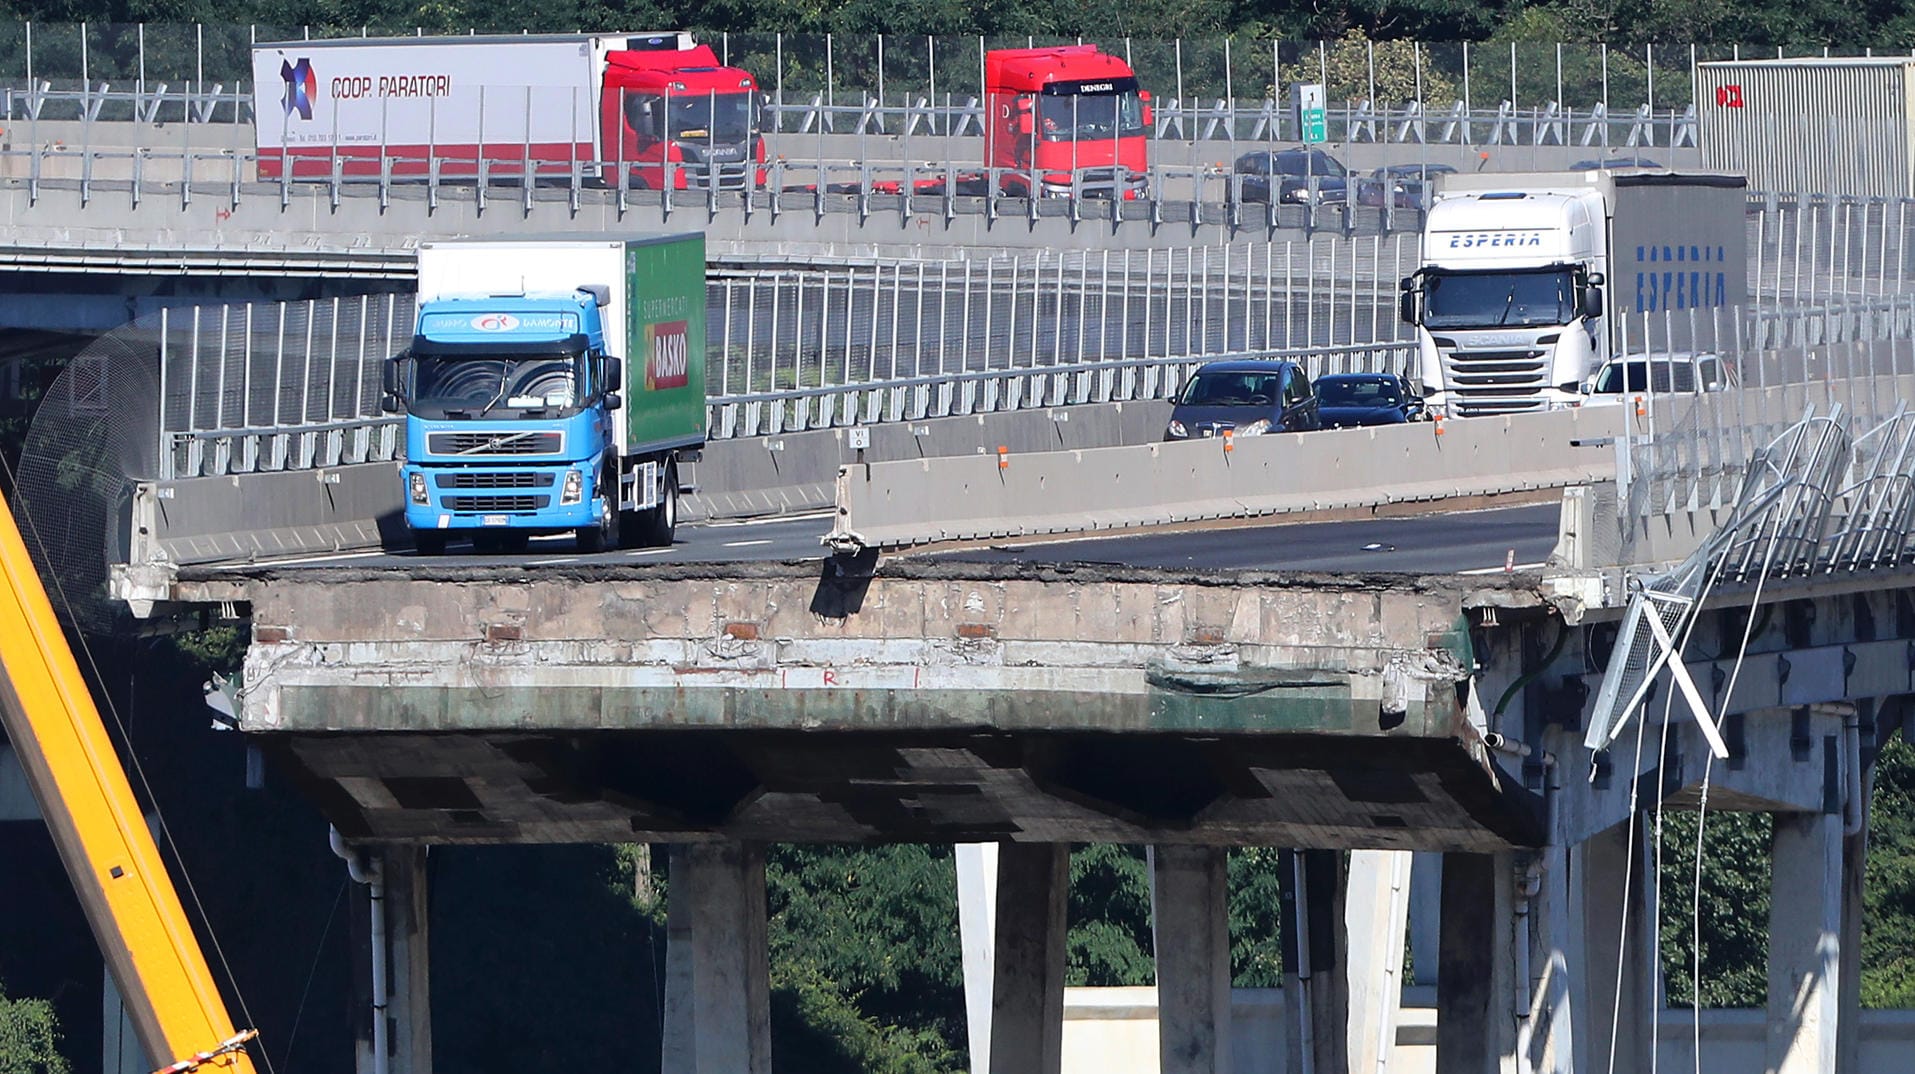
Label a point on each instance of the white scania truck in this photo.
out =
(1529, 282)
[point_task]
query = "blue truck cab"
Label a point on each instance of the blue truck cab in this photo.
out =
(509, 406)
(552, 386)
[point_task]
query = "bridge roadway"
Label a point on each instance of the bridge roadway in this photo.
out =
(1460, 542)
(1192, 691)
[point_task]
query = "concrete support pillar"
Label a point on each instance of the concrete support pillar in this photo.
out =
(1609, 895)
(1558, 945)
(1191, 934)
(1027, 991)
(1475, 1003)
(718, 992)
(401, 1021)
(408, 959)
(1805, 930)
(977, 938)
(1863, 741)
(1316, 986)
(1426, 915)
(1376, 916)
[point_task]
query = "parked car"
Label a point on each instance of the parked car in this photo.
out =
(1613, 163)
(1660, 374)
(1347, 400)
(1406, 186)
(1249, 396)
(1299, 175)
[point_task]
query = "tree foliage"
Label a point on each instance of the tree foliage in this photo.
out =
(30, 1037)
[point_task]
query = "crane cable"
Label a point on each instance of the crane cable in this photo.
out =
(30, 531)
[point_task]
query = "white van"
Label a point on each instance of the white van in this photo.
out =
(1659, 374)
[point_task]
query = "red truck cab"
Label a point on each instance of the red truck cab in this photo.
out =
(1055, 112)
(680, 118)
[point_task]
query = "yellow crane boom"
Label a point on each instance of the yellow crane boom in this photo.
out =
(142, 929)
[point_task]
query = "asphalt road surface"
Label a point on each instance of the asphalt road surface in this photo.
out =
(1476, 541)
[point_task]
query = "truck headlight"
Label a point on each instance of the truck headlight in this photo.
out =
(574, 489)
(1255, 428)
(417, 484)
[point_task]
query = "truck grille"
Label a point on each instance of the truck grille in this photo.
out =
(1497, 382)
(495, 443)
(479, 479)
(735, 176)
(497, 504)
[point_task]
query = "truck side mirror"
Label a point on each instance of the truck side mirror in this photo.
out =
(613, 401)
(1406, 305)
(1149, 115)
(1591, 304)
(389, 399)
(614, 373)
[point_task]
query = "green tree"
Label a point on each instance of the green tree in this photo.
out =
(30, 1037)
(1888, 891)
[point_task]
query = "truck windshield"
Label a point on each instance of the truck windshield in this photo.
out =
(480, 385)
(1491, 299)
(1077, 116)
(698, 117)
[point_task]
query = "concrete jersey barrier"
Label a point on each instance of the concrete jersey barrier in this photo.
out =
(923, 501)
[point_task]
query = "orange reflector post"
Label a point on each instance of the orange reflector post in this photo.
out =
(1642, 410)
(1230, 440)
(1439, 424)
(1003, 457)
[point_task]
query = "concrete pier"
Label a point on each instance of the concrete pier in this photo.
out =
(1192, 942)
(1027, 992)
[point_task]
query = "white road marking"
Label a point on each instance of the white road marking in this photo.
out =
(303, 559)
(766, 520)
(1501, 570)
(549, 562)
(744, 544)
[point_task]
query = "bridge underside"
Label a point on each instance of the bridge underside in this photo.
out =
(934, 787)
(920, 702)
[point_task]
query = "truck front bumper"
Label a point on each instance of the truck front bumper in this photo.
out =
(528, 500)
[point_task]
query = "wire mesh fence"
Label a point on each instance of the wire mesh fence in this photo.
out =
(296, 385)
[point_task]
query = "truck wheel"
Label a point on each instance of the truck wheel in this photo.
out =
(605, 535)
(661, 522)
(428, 542)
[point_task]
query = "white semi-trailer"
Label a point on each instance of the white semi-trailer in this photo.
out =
(1528, 282)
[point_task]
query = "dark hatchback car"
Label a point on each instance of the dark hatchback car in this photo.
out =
(1247, 396)
(1299, 175)
(1405, 186)
(1346, 400)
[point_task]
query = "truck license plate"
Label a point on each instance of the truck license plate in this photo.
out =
(494, 520)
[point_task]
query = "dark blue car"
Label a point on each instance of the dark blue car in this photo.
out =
(1248, 396)
(1346, 400)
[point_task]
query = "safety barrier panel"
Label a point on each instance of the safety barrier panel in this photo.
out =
(1002, 494)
